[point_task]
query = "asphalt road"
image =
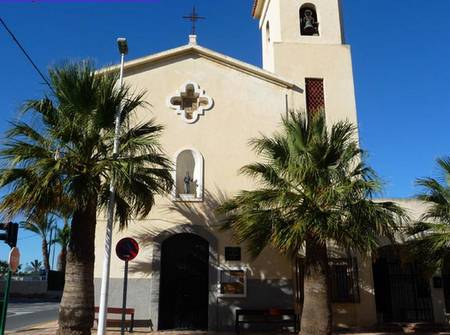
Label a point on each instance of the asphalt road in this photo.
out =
(25, 314)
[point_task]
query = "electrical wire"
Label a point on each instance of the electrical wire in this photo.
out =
(27, 55)
(27, 237)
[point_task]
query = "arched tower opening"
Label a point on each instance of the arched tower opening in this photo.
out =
(309, 24)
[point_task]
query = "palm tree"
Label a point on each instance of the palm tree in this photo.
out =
(65, 157)
(35, 266)
(41, 225)
(62, 238)
(430, 243)
(314, 190)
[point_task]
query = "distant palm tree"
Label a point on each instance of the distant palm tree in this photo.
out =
(4, 267)
(62, 238)
(35, 266)
(41, 225)
(65, 156)
(314, 189)
(431, 234)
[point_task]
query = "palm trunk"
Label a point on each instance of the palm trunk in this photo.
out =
(316, 315)
(296, 285)
(62, 260)
(76, 311)
(45, 255)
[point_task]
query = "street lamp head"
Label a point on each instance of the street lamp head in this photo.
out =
(123, 45)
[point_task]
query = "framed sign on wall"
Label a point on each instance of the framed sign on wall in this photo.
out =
(232, 283)
(233, 254)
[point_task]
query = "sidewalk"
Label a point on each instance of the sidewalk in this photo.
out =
(51, 327)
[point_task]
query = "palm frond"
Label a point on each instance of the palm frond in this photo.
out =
(313, 184)
(62, 162)
(430, 236)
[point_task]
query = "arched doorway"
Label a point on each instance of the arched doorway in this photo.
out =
(184, 281)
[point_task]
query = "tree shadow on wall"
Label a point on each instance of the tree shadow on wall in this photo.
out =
(198, 213)
(191, 213)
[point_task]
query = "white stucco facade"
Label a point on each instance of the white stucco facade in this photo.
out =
(236, 102)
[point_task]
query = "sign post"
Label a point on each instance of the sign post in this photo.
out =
(14, 260)
(126, 249)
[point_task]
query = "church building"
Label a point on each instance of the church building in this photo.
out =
(191, 275)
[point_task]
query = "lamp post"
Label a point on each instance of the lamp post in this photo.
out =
(123, 49)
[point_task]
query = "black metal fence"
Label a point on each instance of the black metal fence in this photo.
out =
(402, 291)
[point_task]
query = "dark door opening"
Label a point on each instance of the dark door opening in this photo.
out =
(183, 295)
(402, 292)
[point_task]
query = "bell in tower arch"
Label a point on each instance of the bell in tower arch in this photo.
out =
(309, 22)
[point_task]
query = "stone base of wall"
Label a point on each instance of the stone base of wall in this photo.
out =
(261, 294)
(30, 289)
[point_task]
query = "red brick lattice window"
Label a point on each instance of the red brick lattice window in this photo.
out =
(315, 96)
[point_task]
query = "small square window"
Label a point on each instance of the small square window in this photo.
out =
(232, 253)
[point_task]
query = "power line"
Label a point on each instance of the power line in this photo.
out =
(27, 237)
(25, 53)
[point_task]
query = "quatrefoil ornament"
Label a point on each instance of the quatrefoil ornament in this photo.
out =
(190, 101)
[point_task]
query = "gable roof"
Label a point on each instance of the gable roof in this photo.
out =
(257, 8)
(210, 55)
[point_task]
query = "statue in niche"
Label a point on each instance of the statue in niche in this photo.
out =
(309, 23)
(187, 183)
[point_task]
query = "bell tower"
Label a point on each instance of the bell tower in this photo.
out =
(302, 40)
(296, 21)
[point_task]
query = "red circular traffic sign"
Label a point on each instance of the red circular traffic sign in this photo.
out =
(127, 249)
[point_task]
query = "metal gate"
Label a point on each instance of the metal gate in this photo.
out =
(402, 292)
(183, 299)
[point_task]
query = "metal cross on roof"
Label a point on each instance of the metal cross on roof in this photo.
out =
(193, 17)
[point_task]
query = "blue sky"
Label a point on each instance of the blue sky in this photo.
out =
(401, 62)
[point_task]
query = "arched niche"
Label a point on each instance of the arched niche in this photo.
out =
(309, 24)
(188, 175)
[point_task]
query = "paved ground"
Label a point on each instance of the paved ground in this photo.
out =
(50, 329)
(25, 314)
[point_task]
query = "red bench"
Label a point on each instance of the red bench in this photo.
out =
(118, 322)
